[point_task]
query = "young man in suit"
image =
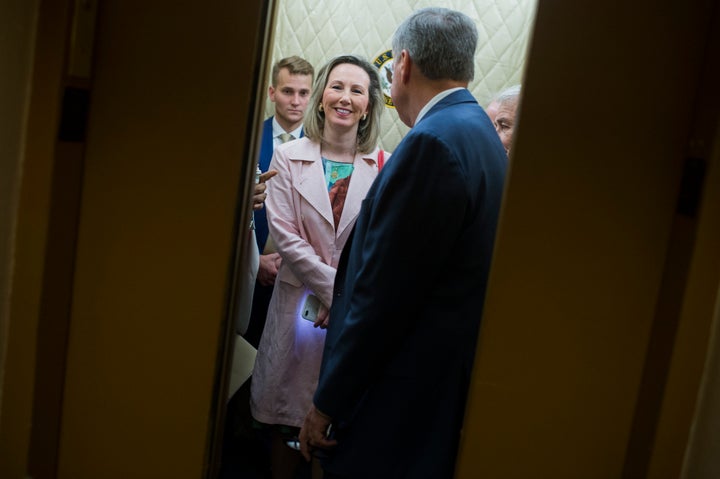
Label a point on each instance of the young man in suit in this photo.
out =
(290, 88)
(410, 284)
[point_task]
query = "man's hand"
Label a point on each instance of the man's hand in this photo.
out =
(259, 194)
(268, 269)
(313, 434)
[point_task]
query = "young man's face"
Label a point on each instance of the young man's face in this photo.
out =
(291, 96)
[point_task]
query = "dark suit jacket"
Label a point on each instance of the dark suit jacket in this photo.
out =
(409, 294)
(266, 151)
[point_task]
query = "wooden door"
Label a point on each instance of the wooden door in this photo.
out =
(165, 185)
(603, 283)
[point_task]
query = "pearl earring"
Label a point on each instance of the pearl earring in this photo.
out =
(364, 117)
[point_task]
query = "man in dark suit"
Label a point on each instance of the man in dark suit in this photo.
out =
(410, 285)
(290, 88)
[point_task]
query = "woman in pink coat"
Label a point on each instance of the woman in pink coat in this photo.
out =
(312, 205)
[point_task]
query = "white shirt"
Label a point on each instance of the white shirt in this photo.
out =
(278, 130)
(434, 101)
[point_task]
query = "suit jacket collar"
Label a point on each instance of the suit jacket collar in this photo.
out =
(459, 96)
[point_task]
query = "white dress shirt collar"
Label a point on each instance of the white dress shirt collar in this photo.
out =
(278, 130)
(434, 101)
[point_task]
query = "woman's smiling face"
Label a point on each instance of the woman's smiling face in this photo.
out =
(346, 96)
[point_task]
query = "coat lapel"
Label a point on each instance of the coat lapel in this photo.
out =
(364, 174)
(310, 183)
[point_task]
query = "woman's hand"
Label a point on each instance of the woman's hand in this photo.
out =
(323, 317)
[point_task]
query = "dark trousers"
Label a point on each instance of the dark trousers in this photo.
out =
(258, 313)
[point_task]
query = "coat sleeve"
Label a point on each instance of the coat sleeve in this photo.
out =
(291, 236)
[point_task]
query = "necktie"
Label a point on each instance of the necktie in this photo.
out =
(285, 137)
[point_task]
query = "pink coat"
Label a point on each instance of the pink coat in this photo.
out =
(301, 224)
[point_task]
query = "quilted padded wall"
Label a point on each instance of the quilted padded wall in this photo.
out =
(320, 29)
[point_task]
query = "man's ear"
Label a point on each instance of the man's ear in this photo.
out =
(271, 93)
(405, 64)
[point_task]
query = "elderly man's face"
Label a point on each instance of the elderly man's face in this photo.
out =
(492, 110)
(505, 123)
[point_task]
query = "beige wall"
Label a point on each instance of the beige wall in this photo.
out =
(321, 29)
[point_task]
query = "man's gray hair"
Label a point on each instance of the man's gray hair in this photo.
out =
(510, 95)
(440, 41)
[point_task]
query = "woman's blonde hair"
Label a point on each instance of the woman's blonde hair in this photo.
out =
(369, 128)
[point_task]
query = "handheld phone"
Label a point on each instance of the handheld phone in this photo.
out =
(294, 443)
(311, 308)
